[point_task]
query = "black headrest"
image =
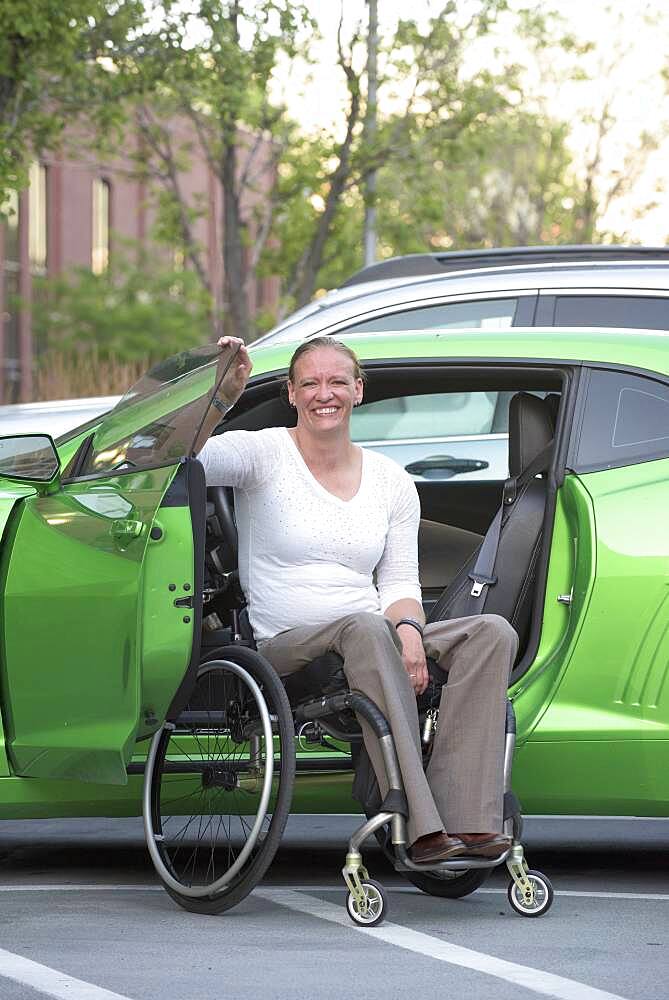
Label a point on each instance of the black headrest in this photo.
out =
(530, 430)
(552, 401)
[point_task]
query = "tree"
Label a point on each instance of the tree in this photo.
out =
(291, 184)
(51, 60)
(615, 82)
(139, 310)
(220, 86)
(511, 184)
(617, 152)
(460, 164)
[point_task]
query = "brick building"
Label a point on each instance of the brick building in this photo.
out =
(69, 216)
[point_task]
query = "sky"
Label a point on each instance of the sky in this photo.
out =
(625, 67)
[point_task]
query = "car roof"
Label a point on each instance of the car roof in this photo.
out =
(642, 270)
(641, 349)
(414, 264)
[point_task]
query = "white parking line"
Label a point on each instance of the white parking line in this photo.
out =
(660, 897)
(545, 983)
(81, 887)
(50, 981)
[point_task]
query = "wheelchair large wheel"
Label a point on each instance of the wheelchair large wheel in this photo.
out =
(219, 782)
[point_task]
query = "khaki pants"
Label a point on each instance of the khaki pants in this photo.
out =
(462, 791)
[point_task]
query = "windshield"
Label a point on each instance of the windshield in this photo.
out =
(158, 419)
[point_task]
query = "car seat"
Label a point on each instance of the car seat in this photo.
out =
(504, 584)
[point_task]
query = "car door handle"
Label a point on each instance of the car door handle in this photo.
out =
(447, 463)
(124, 530)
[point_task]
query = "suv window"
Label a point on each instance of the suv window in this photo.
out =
(626, 421)
(487, 314)
(642, 311)
(448, 434)
(432, 415)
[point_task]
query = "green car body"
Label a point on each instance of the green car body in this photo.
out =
(95, 645)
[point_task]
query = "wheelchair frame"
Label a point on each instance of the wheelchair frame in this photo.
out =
(529, 892)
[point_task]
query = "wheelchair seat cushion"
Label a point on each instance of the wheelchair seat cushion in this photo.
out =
(325, 676)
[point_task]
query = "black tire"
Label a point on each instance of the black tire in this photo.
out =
(203, 781)
(377, 901)
(450, 885)
(543, 898)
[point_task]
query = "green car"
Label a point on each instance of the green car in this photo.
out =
(116, 586)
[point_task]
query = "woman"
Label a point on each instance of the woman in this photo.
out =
(328, 561)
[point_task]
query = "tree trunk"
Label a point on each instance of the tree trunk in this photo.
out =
(369, 136)
(236, 318)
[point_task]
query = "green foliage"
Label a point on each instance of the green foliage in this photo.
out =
(51, 63)
(461, 165)
(461, 160)
(137, 310)
(209, 67)
(509, 184)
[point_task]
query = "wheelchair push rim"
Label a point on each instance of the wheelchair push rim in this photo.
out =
(205, 828)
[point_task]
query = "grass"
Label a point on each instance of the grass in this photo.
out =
(74, 376)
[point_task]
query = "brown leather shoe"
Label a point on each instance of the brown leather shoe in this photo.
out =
(436, 847)
(484, 845)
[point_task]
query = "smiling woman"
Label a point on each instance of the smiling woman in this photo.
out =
(329, 563)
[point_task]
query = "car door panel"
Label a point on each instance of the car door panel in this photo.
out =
(72, 678)
(96, 647)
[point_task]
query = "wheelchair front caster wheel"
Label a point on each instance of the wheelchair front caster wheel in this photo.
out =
(373, 910)
(538, 898)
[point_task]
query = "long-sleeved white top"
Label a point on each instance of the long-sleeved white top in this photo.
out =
(307, 557)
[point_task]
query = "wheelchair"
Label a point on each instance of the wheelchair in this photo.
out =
(219, 779)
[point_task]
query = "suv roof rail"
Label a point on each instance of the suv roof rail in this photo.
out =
(416, 264)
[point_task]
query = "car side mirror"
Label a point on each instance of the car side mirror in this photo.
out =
(31, 458)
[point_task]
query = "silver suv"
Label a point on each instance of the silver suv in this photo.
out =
(610, 286)
(572, 286)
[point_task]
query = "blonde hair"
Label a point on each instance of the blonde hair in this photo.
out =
(336, 345)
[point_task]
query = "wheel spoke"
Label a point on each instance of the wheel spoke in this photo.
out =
(205, 825)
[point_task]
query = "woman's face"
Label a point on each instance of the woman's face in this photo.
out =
(325, 389)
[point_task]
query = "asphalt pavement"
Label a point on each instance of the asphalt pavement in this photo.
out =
(82, 917)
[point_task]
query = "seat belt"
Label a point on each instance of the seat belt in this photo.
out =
(482, 576)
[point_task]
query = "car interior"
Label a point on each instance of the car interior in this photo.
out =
(456, 514)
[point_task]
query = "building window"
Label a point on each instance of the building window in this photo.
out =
(37, 218)
(101, 206)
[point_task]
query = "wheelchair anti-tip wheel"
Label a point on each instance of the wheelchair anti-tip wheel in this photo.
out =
(219, 782)
(536, 900)
(372, 910)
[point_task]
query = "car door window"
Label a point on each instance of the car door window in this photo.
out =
(485, 314)
(625, 421)
(157, 420)
(449, 434)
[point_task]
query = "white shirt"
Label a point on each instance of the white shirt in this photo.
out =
(307, 557)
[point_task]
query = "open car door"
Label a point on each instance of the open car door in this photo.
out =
(103, 582)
